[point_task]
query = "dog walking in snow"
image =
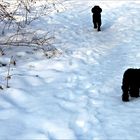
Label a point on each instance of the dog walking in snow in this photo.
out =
(130, 84)
(96, 17)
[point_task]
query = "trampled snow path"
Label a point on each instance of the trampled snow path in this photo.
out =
(78, 94)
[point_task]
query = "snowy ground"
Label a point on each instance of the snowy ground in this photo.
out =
(76, 95)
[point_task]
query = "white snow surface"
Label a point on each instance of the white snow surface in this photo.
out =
(77, 94)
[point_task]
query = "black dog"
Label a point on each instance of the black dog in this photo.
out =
(130, 84)
(96, 17)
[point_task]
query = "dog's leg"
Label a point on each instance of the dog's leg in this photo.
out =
(126, 86)
(95, 25)
(94, 21)
(134, 91)
(99, 25)
(125, 96)
(99, 29)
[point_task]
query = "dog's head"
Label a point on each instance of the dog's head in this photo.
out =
(96, 9)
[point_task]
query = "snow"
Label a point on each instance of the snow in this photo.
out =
(77, 94)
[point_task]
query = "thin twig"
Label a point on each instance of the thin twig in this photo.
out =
(8, 73)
